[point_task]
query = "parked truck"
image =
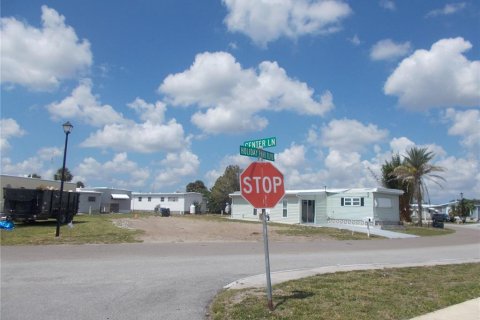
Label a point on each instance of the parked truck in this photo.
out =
(35, 204)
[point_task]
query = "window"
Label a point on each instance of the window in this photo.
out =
(352, 202)
(285, 211)
(139, 199)
(172, 199)
(91, 199)
(162, 199)
(254, 212)
(149, 199)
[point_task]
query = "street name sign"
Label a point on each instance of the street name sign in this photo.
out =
(261, 143)
(257, 153)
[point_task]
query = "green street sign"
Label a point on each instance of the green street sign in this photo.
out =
(257, 153)
(261, 143)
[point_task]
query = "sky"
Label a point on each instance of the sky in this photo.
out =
(163, 93)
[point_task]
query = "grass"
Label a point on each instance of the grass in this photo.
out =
(99, 228)
(86, 229)
(426, 231)
(374, 294)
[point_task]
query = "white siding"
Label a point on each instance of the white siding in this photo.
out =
(176, 202)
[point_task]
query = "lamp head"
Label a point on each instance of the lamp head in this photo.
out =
(67, 127)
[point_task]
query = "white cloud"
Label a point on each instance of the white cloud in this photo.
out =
(40, 58)
(440, 77)
(146, 137)
(177, 166)
(42, 163)
(461, 175)
(467, 125)
(233, 96)
(49, 153)
(149, 112)
(388, 50)
(449, 8)
(239, 160)
(267, 20)
(388, 5)
(84, 106)
(119, 172)
(400, 145)
(351, 135)
(291, 157)
(9, 128)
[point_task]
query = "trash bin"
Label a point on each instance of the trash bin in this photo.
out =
(437, 224)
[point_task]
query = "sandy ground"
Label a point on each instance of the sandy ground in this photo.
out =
(186, 229)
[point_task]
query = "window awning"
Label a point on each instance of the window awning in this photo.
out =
(119, 196)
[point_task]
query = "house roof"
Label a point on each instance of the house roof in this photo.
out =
(334, 191)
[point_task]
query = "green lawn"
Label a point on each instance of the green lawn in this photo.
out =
(86, 229)
(360, 295)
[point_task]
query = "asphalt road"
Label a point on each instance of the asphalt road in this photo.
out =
(177, 281)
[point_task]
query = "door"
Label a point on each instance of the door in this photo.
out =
(115, 207)
(308, 211)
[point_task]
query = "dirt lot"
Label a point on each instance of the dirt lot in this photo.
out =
(196, 229)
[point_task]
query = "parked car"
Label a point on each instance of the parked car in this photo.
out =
(443, 217)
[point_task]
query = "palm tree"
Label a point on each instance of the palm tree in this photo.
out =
(58, 175)
(389, 180)
(415, 170)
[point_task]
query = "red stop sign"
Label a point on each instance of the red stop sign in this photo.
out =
(261, 184)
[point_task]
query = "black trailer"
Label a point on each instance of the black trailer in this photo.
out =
(33, 204)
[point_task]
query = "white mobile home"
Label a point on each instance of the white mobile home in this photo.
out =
(89, 201)
(177, 202)
(113, 200)
(346, 206)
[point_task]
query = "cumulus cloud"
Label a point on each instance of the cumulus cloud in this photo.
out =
(439, 77)
(148, 111)
(84, 106)
(9, 128)
(120, 171)
(266, 20)
(351, 135)
(144, 137)
(176, 166)
(448, 9)
(465, 124)
(40, 58)
(44, 163)
(234, 96)
(388, 50)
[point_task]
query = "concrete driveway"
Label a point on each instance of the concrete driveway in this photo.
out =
(177, 281)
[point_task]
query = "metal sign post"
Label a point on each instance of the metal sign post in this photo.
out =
(267, 261)
(262, 185)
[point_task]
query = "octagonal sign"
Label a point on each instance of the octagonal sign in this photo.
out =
(261, 184)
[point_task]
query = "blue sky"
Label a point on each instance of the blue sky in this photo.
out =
(162, 93)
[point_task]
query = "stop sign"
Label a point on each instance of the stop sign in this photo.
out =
(261, 184)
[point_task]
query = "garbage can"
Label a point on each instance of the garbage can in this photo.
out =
(437, 224)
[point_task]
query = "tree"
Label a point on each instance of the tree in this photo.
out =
(228, 183)
(197, 186)
(414, 170)
(58, 175)
(34, 175)
(80, 184)
(392, 182)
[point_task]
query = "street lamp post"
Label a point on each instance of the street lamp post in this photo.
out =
(67, 128)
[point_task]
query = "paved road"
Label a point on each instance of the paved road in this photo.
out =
(177, 281)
